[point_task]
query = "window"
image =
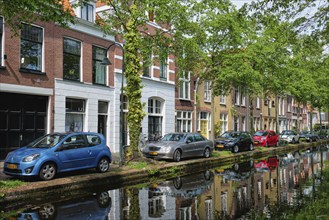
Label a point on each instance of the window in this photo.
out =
(223, 122)
(147, 65)
(154, 119)
(184, 86)
(243, 98)
(75, 110)
(31, 48)
(222, 99)
(163, 65)
(1, 34)
(71, 59)
(207, 91)
(237, 96)
(204, 123)
(184, 121)
(99, 70)
(257, 102)
(87, 12)
(102, 117)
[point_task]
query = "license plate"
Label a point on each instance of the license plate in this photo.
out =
(256, 142)
(12, 166)
(220, 146)
(153, 153)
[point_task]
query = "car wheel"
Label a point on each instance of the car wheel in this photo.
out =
(235, 149)
(236, 167)
(177, 155)
(206, 152)
(103, 199)
(251, 147)
(103, 165)
(47, 171)
(178, 182)
(47, 211)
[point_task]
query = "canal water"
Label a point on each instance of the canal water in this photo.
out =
(268, 188)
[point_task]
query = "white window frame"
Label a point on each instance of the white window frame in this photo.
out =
(185, 118)
(85, 7)
(207, 91)
(184, 83)
(237, 96)
(222, 100)
(258, 102)
(224, 122)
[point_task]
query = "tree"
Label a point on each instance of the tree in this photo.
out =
(17, 11)
(128, 19)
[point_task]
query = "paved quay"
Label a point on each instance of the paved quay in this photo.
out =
(124, 176)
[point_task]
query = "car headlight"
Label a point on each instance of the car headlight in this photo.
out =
(263, 138)
(165, 149)
(31, 157)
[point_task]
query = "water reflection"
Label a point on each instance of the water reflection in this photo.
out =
(94, 207)
(270, 187)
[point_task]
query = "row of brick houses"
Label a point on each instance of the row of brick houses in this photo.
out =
(52, 80)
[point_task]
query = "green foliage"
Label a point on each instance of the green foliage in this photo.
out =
(17, 11)
(137, 165)
(5, 184)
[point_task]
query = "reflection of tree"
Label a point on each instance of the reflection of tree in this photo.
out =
(134, 211)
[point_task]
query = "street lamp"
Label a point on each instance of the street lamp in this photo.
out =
(107, 62)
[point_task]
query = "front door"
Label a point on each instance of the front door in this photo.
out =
(23, 118)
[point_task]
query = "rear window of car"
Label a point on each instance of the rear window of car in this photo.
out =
(198, 137)
(93, 140)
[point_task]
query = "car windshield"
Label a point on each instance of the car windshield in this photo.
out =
(288, 132)
(173, 137)
(260, 133)
(46, 141)
(230, 135)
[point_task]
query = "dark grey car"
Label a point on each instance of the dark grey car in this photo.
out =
(175, 146)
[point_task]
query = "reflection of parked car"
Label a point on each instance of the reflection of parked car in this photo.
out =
(83, 208)
(265, 138)
(308, 136)
(290, 136)
(266, 165)
(59, 152)
(238, 171)
(234, 141)
(184, 186)
(176, 146)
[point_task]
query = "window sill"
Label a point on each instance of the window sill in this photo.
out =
(23, 70)
(184, 99)
(222, 103)
(163, 79)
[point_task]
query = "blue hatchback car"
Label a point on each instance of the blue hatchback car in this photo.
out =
(57, 153)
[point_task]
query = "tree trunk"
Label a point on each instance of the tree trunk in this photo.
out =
(277, 115)
(134, 88)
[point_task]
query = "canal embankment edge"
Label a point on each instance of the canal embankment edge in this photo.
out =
(123, 176)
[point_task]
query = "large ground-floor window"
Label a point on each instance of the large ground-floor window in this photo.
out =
(74, 118)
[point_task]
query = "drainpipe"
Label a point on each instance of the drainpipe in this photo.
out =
(195, 104)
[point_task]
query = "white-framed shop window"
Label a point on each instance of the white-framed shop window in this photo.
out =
(75, 114)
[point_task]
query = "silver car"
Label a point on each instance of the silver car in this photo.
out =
(175, 146)
(290, 136)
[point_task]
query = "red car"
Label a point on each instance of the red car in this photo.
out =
(265, 138)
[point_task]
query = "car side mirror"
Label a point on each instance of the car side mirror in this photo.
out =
(188, 141)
